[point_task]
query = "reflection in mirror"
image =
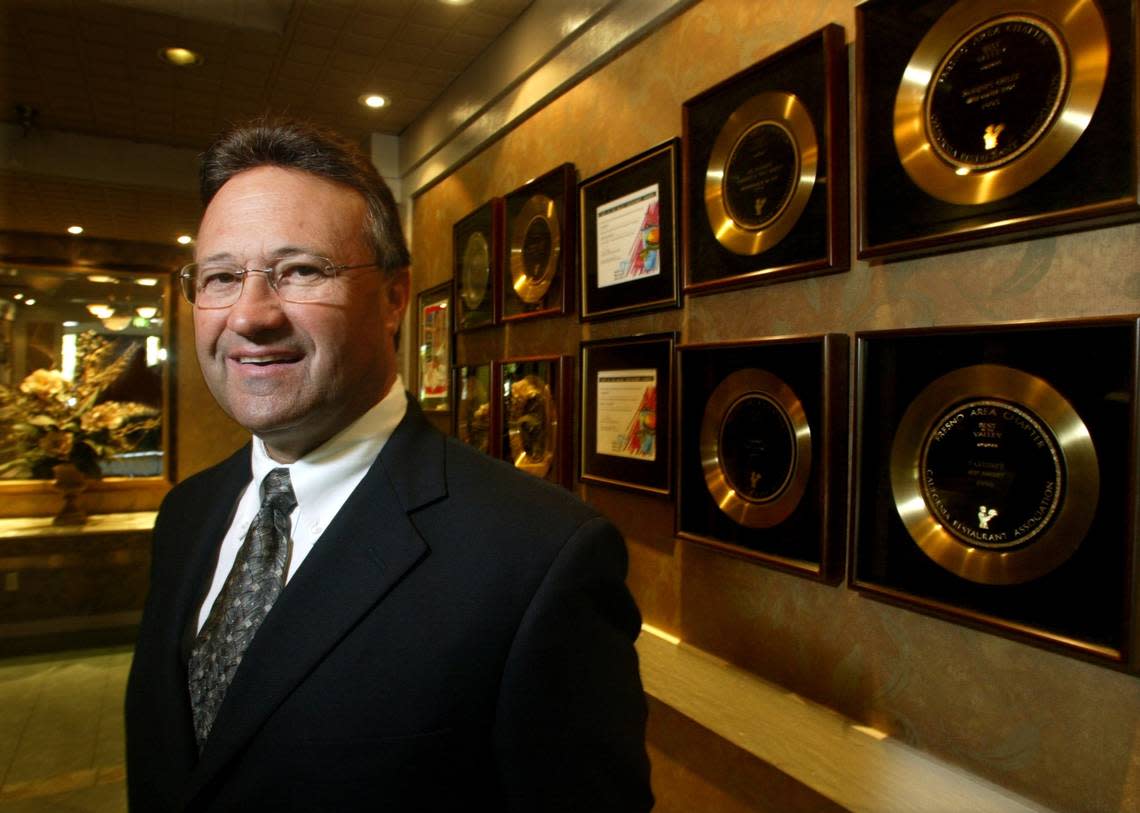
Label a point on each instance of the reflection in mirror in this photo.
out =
(82, 360)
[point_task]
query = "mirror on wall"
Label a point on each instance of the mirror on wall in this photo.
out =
(83, 372)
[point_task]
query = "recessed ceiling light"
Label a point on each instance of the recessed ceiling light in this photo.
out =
(182, 57)
(146, 282)
(18, 297)
(75, 230)
(29, 301)
(101, 278)
(374, 100)
(185, 239)
(71, 323)
(101, 310)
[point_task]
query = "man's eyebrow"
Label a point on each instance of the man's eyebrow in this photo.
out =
(276, 254)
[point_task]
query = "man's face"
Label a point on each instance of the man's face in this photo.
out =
(296, 374)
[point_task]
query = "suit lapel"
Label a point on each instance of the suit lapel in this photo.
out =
(363, 554)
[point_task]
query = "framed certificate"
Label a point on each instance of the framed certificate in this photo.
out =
(765, 170)
(983, 121)
(533, 402)
(477, 248)
(474, 419)
(626, 413)
(995, 478)
(433, 311)
(629, 240)
(763, 451)
(539, 253)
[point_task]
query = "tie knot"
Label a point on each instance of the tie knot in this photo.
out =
(277, 491)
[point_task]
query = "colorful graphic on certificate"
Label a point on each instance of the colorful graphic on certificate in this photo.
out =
(433, 351)
(627, 413)
(629, 237)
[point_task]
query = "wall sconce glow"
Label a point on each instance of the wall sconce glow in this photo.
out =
(70, 323)
(155, 352)
(100, 311)
(185, 239)
(103, 278)
(67, 356)
(182, 57)
(146, 312)
(374, 100)
(75, 230)
(146, 282)
(117, 323)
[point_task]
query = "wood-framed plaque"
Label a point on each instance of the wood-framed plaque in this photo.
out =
(996, 475)
(762, 444)
(477, 252)
(540, 222)
(765, 170)
(626, 415)
(433, 318)
(985, 121)
(629, 235)
(475, 422)
(534, 397)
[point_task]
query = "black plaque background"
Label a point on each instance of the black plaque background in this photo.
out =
(809, 542)
(897, 218)
(1091, 364)
(488, 220)
(818, 243)
(659, 165)
(560, 186)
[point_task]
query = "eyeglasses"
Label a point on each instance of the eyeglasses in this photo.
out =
(300, 278)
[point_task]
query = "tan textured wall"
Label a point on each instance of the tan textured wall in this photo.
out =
(1049, 727)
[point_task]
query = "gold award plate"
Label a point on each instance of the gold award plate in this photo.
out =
(755, 448)
(994, 474)
(997, 93)
(761, 172)
(533, 425)
(476, 270)
(535, 249)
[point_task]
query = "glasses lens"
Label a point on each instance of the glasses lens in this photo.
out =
(215, 285)
(303, 278)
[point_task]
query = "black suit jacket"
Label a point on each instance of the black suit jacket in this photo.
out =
(460, 638)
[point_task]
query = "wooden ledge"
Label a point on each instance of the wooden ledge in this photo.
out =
(23, 527)
(857, 767)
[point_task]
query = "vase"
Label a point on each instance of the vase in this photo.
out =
(70, 482)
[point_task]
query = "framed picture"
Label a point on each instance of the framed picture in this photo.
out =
(626, 415)
(996, 479)
(765, 170)
(763, 451)
(985, 121)
(533, 408)
(475, 422)
(629, 236)
(477, 250)
(433, 315)
(539, 252)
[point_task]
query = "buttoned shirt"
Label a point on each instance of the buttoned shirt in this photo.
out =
(322, 482)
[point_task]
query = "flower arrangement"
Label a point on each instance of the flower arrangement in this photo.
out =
(48, 420)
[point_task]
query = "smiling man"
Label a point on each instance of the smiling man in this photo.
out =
(354, 612)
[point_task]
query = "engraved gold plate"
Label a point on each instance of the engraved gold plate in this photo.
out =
(535, 249)
(755, 448)
(761, 172)
(997, 93)
(532, 425)
(994, 474)
(476, 270)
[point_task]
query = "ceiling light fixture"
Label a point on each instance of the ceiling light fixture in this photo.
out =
(374, 100)
(181, 57)
(117, 323)
(101, 278)
(146, 282)
(146, 311)
(185, 239)
(29, 301)
(101, 311)
(75, 230)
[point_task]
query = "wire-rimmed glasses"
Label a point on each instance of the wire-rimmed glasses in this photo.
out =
(297, 278)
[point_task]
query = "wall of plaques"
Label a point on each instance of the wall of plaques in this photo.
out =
(865, 410)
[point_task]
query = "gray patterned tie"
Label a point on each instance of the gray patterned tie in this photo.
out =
(253, 584)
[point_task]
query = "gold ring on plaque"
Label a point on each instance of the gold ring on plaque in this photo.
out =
(1075, 33)
(770, 114)
(531, 277)
(1070, 444)
(476, 270)
(779, 501)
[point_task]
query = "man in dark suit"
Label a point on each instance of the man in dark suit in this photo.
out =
(354, 612)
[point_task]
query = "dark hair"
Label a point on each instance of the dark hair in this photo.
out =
(299, 145)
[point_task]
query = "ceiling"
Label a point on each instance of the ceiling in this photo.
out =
(91, 70)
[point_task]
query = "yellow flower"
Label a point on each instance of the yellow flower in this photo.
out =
(103, 416)
(45, 384)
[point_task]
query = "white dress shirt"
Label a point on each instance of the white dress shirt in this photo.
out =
(322, 482)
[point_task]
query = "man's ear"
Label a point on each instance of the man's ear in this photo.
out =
(397, 292)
